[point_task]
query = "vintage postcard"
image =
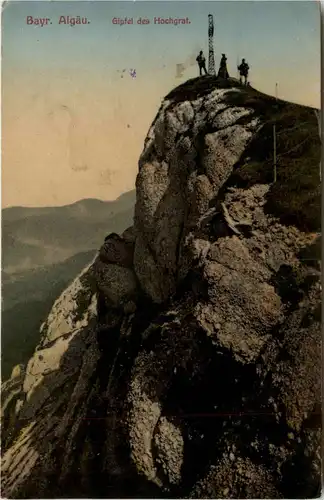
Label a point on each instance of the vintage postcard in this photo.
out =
(161, 249)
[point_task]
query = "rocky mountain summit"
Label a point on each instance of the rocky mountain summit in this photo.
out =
(185, 360)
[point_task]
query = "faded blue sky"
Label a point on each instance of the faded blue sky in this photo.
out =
(280, 39)
(66, 107)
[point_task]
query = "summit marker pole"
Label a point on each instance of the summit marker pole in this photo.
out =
(275, 144)
(211, 57)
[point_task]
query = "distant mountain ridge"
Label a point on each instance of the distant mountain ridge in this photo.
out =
(123, 201)
(43, 249)
(43, 236)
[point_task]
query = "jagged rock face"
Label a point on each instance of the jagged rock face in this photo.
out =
(190, 151)
(50, 382)
(198, 374)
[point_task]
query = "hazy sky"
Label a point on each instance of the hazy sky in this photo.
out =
(73, 128)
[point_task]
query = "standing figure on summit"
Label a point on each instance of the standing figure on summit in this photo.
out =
(244, 71)
(222, 72)
(201, 63)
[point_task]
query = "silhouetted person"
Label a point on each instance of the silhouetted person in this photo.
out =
(222, 72)
(244, 71)
(201, 63)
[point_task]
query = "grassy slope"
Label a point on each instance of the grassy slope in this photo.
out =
(295, 196)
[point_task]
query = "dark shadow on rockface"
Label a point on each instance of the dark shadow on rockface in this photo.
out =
(214, 400)
(311, 254)
(48, 487)
(206, 400)
(194, 88)
(201, 86)
(295, 197)
(217, 402)
(234, 410)
(88, 440)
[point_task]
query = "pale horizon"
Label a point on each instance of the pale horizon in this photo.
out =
(73, 129)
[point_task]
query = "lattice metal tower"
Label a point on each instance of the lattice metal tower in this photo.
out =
(211, 58)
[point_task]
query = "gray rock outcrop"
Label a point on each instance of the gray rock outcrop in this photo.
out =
(185, 361)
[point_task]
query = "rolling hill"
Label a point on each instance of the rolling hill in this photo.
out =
(43, 249)
(34, 237)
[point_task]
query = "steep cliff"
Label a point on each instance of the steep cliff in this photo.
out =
(185, 360)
